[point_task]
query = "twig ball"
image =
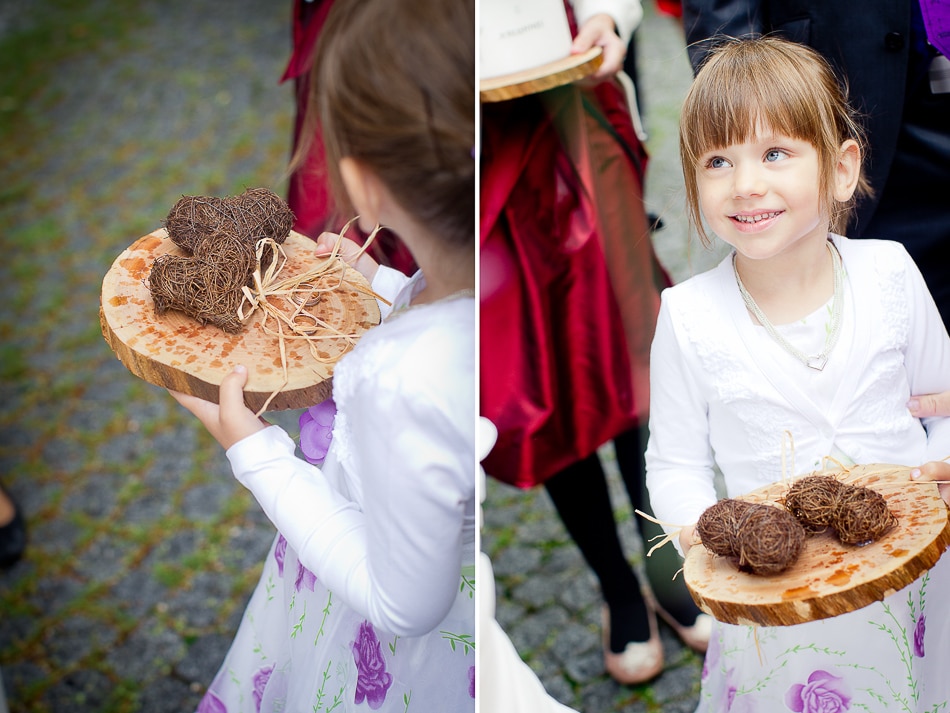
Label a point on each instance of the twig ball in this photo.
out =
(858, 515)
(257, 213)
(718, 526)
(206, 286)
(764, 539)
(263, 214)
(771, 541)
(813, 500)
(194, 218)
(863, 517)
(219, 237)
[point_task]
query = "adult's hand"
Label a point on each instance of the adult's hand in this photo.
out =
(938, 470)
(930, 405)
(598, 31)
(229, 421)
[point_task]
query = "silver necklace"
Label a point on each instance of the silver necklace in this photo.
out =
(816, 361)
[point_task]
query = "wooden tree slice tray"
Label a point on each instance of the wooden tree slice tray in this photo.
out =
(829, 578)
(174, 351)
(540, 79)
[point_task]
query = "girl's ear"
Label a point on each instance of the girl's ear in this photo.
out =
(363, 188)
(847, 170)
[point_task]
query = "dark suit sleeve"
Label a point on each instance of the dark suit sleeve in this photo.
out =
(704, 19)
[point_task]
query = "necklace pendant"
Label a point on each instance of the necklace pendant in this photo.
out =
(816, 362)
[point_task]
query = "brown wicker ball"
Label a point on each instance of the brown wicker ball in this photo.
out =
(263, 214)
(257, 213)
(858, 515)
(771, 540)
(208, 285)
(718, 526)
(863, 516)
(193, 218)
(220, 238)
(813, 500)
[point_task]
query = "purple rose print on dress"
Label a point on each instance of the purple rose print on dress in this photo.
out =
(731, 689)
(471, 681)
(260, 683)
(305, 578)
(280, 551)
(316, 429)
(824, 693)
(211, 704)
(372, 681)
(919, 636)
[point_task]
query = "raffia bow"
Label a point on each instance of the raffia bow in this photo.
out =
(287, 302)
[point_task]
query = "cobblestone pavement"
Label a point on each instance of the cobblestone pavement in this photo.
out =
(143, 549)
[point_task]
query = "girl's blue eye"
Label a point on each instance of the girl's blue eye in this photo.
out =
(717, 162)
(774, 155)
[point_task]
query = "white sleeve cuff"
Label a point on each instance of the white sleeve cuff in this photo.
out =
(626, 14)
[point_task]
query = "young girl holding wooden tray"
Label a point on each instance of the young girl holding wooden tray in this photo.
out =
(799, 330)
(366, 600)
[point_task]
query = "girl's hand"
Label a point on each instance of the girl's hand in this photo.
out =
(935, 470)
(364, 264)
(230, 421)
(687, 535)
(598, 31)
(930, 405)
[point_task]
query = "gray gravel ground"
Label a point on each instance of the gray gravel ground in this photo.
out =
(143, 549)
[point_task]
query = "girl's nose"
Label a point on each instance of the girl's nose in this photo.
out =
(748, 180)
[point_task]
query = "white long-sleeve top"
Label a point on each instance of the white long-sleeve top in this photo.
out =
(723, 392)
(626, 14)
(389, 520)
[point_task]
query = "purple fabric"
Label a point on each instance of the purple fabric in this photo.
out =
(937, 19)
(316, 430)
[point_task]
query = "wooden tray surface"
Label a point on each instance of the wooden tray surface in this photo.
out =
(829, 578)
(540, 79)
(176, 352)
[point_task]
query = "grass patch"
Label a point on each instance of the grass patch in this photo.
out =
(52, 34)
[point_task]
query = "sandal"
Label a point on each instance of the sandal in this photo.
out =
(696, 636)
(640, 661)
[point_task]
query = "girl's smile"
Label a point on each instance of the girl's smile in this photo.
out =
(755, 220)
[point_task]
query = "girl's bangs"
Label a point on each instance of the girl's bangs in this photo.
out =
(740, 104)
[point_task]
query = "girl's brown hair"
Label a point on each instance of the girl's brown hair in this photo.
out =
(394, 87)
(769, 82)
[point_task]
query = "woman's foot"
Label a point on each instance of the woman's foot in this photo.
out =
(12, 530)
(638, 661)
(695, 635)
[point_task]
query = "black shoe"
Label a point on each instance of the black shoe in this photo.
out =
(12, 536)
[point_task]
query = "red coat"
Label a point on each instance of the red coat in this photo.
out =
(569, 281)
(308, 193)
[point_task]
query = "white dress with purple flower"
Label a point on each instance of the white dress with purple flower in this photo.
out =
(723, 393)
(366, 600)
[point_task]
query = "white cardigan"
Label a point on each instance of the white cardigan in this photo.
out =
(722, 393)
(388, 521)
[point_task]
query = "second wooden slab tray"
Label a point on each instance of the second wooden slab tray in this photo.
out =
(829, 578)
(540, 79)
(176, 352)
